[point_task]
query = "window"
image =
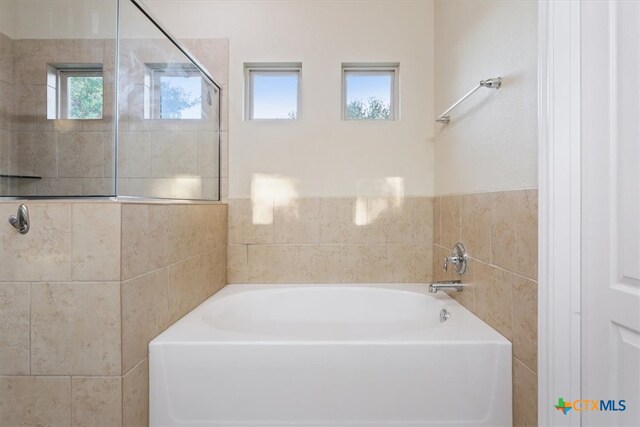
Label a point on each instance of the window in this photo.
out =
(173, 91)
(75, 92)
(369, 92)
(272, 91)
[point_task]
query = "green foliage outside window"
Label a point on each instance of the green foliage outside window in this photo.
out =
(85, 97)
(373, 109)
(175, 99)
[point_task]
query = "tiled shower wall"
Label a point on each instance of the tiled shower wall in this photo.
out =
(7, 153)
(500, 233)
(75, 157)
(82, 294)
(330, 240)
(171, 158)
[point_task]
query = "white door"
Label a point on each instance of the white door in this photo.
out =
(610, 129)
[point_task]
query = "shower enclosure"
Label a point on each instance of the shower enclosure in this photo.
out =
(98, 100)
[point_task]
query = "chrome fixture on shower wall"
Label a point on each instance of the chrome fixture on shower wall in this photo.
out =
(493, 83)
(458, 259)
(20, 221)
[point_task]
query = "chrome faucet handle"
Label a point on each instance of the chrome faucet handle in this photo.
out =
(458, 258)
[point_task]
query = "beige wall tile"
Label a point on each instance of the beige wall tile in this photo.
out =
(81, 154)
(298, 222)
(8, 153)
(38, 154)
(363, 263)
(395, 217)
(525, 321)
(293, 264)
(468, 295)
(134, 154)
(224, 276)
(136, 242)
(208, 153)
(145, 313)
(166, 231)
(30, 60)
(98, 187)
(96, 242)
(346, 220)
(215, 56)
(6, 59)
(436, 220)
(42, 254)
(89, 51)
(160, 228)
(514, 231)
(525, 396)
(108, 70)
(6, 104)
(59, 187)
(186, 288)
(224, 154)
(24, 107)
(135, 396)
(238, 267)
(423, 220)
(249, 224)
(96, 401)
(75, 328)
(35, 401)
(494, 297)
(174, 153)
(14, 328)
(410, 263)
(220, 225)
(178, 232)
(476, 225)
(449, 221)
(197, 228)
(214, 270)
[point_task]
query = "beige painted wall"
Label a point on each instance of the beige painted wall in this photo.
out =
(320, 155)
(491, 142)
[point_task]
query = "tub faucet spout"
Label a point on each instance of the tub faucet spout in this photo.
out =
(456, 285)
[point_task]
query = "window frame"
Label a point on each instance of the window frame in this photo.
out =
(152, 86)
(373, 69)
(57, 83)
(273, 69)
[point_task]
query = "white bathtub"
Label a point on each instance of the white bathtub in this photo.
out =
(329, 355)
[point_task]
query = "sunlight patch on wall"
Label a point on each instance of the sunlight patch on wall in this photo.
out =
(391, 195)
(187, 187)
(269, 192)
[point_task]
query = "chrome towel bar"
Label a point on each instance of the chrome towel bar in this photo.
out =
(494, 83)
